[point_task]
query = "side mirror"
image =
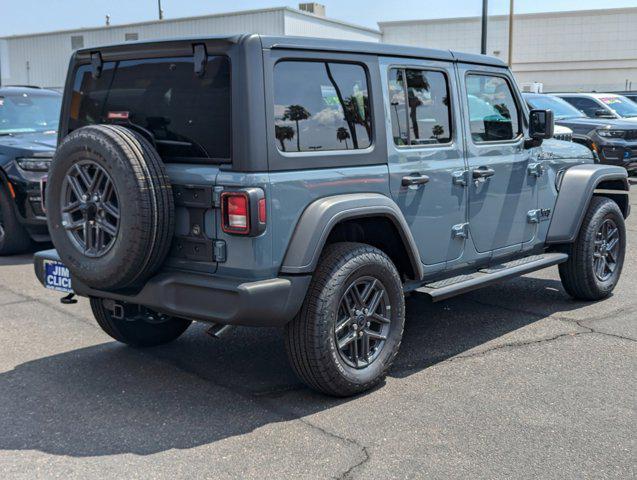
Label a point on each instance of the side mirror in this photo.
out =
(541, 125)
(601, 113)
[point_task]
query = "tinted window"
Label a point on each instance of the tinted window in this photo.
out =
(587, 106)
(321, 106)
(493, 113)
(187, 115)
(425, 119)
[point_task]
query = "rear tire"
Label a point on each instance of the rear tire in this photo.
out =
(337, 344)
(14, 238)
(596, 257)
(143, 329)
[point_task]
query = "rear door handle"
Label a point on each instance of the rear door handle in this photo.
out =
(414, 179)
(483, 172)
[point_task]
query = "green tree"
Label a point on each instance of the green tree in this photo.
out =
(283, 133)
(342, 135)
(296, 113)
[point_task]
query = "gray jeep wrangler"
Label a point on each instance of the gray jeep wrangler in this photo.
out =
(309, 184)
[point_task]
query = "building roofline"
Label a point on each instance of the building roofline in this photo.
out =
(563, 13)
(194, 17)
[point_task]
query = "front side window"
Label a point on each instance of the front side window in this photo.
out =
(493, 112)
(419, 105)
(321, 106)
(187, 115)
(587, 106)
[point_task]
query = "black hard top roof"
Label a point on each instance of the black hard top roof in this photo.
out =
(310, 43)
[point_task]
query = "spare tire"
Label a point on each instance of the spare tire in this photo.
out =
(110, 207)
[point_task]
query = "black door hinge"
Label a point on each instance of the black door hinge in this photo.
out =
(96, 64)
(200, 57)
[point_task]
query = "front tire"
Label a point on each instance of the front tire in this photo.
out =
(140, 327)
(13, 236)
(348, 332)
(596, 257)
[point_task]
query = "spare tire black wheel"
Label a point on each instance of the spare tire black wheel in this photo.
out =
(110, 206)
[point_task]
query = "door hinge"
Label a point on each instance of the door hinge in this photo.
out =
(536, 169)
(460, 231)
(459, 178)
(219, 253)
(200, 57)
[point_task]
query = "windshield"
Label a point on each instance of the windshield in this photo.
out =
(28, 113)
(560, 108)
(621, 105)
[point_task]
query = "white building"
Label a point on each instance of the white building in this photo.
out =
(42, 59)
(581, 50)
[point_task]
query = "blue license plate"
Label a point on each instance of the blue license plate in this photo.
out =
(57, 276)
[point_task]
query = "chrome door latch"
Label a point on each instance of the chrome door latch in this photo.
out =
(460, 230)
(459, 178)
(536, 169)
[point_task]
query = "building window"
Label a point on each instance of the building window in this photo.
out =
(421, 116)
(493, 112)
(131, 37)
(77, 42)
(321, 106)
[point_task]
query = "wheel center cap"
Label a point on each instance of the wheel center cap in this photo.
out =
(361, 320)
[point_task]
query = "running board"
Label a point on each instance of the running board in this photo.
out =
(451, 287)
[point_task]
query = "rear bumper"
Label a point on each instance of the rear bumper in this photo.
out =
(263, 303)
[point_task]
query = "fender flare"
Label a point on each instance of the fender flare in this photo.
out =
(322, 215)
(576, 190)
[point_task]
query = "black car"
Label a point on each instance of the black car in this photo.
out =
(29, 119)
(614, 140)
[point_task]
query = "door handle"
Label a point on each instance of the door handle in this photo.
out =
(414, 179)
(483, 172)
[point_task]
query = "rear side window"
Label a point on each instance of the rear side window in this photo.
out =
(493, 112)
(188, 116)
(419, 101)
(320, 106)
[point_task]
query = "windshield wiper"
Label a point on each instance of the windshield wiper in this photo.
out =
(6, 134)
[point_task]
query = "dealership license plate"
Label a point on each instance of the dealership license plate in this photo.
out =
(57, 276)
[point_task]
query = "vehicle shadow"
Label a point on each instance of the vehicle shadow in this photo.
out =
(110, 399)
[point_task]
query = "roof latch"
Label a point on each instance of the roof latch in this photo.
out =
(199, 57)
(96, 64)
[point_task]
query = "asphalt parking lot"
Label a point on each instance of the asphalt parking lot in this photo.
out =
(515, 381)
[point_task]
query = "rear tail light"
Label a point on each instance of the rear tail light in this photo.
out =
(243, 212)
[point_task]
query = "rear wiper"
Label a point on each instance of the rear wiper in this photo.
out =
(6, 134)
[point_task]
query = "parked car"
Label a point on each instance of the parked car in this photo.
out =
(602, 105)
(310, 184)
(614, 141)
(29, 119)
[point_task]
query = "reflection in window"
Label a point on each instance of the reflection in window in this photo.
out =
(424, 118)
(321, 106)
(493, 113)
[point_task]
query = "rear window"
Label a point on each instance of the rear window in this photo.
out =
(187, 115)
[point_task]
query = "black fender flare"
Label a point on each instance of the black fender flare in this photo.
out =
(578, 186)
(322, 215)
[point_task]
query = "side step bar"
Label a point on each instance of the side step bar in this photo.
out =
(451, 287)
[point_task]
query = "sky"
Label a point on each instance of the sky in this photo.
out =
(30, 16)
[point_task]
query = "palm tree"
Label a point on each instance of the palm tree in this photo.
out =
(283, 133)
(297, 113)
(437, 130)
(342, 135)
